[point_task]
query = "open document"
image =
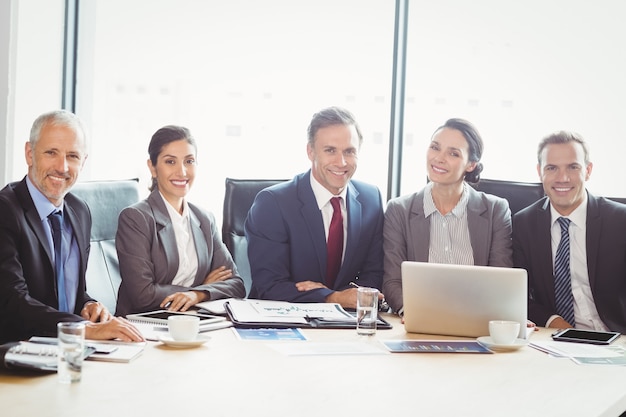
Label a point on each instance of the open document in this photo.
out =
(266, 313)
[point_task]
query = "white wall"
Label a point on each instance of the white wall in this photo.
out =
(6, 8)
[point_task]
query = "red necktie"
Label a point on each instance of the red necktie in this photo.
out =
(334, 245)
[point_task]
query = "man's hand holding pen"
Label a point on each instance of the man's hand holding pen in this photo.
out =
(383, 306)
(346, 298)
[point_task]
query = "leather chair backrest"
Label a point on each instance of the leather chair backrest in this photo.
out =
(618, 199)
(519, 194)
(238, 199)
(105, 199)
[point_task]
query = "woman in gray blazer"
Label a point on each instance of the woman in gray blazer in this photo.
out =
(447, 221)
(170, 252)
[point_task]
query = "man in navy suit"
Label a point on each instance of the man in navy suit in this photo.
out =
(32, 300)
(597, 237)
(288, 224)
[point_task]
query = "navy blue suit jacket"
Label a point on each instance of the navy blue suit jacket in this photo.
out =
(287, 241)
(606, 259)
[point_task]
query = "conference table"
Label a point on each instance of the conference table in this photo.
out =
(232, 377)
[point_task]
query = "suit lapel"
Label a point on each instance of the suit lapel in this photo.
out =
(478, 227)
(542, 252)
(594, 227)
(202, 248)
(313, 219)
(355, 218)
(165, 231)
(32, 217)
(80, 237)
(419, 228)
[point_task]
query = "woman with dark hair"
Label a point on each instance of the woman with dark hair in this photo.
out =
(447, 221)
(170, 252)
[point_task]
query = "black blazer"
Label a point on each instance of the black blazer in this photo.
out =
(606, 259)
(28, 293)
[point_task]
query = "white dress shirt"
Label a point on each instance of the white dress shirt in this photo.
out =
(188, 257)
(323, 196)
(585, 312)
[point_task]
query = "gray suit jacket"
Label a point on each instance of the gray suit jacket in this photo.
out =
(146, 248)
(407, 235)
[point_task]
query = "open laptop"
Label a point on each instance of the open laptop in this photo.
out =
(459, 300)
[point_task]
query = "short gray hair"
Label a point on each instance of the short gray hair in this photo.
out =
(57, 118)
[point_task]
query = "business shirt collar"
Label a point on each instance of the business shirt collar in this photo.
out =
(429, 204)
(42, 204)
(322, 195)
(174, 214)
(578, 216)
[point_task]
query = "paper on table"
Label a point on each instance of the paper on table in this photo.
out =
(327, 311)
(152, 332)
(269, 334)
(580, 350)
(118, 351)
(124, 352)
(214, 306)
(332, 348)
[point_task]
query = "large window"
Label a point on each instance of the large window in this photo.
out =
(518, 70)
(244, 75)
(33, 58)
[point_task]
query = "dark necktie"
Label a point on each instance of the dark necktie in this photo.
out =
(334, 245)
(56, 220)
(562, 280)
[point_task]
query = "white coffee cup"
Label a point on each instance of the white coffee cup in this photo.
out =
(503, 332)
(183, 327)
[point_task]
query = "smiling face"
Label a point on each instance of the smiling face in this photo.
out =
(447, 158)
(563, 172)
(55, 160)
(334, 156)
(175, 171)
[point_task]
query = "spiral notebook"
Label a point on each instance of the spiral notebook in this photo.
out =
(154, 323)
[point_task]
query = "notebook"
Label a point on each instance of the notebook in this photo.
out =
(459, 300)
(153, 324)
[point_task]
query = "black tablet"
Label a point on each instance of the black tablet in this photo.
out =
(585, 336)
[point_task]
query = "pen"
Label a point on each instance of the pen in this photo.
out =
(167, 305)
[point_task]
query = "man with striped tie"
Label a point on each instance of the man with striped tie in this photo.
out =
(572, 244)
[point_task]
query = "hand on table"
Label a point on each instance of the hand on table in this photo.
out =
(115, 328)
(95, 312)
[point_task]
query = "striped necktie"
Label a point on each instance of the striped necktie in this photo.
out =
(562, 278)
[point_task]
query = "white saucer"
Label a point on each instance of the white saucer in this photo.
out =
(487, 342)
(167, 339)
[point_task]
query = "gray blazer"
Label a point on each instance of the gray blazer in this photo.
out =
(146, 248)
(406, 234)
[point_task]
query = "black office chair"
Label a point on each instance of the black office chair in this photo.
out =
(518, 194)
(238, 199)
(105, 199)
(618, 199)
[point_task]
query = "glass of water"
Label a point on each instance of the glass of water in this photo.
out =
(366, 310)
(71, 348)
